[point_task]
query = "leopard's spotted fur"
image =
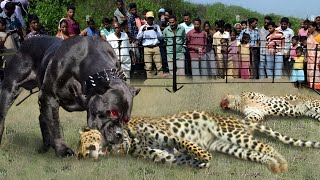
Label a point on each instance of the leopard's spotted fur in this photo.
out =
(187, 137)
(92, 144)
(255, 106)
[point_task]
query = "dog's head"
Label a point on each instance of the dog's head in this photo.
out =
(109, 111)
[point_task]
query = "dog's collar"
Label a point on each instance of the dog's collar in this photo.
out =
(98, 83)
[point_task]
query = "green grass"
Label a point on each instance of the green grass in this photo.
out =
(19, 158)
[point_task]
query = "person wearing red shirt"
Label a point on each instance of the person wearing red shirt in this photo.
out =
(73, 25)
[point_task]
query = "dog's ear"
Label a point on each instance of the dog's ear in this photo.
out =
(135, 91)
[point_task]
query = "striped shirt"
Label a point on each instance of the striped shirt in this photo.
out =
(275, 40)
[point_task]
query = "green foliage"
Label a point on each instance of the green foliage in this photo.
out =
(51, 11)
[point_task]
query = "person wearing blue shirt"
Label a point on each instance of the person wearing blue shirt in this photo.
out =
(253, 31)
(150, 34)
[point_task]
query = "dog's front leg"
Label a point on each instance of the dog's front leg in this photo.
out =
(8, 93)
(49, 109)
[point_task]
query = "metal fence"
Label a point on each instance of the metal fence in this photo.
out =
(219, 64)
(269, 60)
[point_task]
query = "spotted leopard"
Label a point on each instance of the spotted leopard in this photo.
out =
(92, 144)
(168, 139)
(255, 106)
(163, 149)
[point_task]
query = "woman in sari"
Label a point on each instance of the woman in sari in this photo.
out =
(313, 56)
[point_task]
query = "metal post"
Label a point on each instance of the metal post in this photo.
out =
(119, 48)
(315, 66)
(174, 70)
(274, 63)
(227, 62)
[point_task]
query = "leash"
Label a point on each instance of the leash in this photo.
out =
(31, 92)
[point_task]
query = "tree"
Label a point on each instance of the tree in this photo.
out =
(49, 12)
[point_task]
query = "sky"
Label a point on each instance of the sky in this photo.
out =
(296, 8)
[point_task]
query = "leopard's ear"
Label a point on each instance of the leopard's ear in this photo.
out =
(84, 129)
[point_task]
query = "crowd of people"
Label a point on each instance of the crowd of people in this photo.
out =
(154, 43)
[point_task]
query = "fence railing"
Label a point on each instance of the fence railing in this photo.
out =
(226, 63)
(274, 64)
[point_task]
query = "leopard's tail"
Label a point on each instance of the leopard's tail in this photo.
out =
(283, 138)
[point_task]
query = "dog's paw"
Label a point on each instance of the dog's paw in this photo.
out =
(65, 152)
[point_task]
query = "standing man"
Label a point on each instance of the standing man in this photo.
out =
(121, 14)
(163, 15)
(73, 25)
(216, 43)
(178, 31)
(197, 42)
(18, 10)
(132, 26)
(288, 34)
(150, 34)
(119, 41)
(12, 22)
(263, 32)
(253, 31)
(188, 26)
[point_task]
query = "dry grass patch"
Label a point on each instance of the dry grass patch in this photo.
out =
(19, 158)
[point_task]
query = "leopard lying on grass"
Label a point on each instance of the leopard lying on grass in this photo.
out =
(92, 144)
(186, 138)
(255, 106)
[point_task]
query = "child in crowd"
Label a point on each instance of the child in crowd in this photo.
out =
(224, 51)
(34, 28)
(245, 57)
(107, 28)
(91, 30)
(244, 24)
(63, 29)
(297, 74)
(292, 52)
(233, 56)
(303, 43)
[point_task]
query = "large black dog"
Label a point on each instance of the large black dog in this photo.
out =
(78, 74)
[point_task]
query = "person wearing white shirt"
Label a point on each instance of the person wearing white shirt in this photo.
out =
(220, 34)
(150, 34)
(187, 24)
(288, 34)
(119, 41)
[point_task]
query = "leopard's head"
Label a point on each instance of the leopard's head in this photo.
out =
(228, 102)
(90, 142)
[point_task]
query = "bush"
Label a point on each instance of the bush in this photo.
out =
(98, 9)
(49, 12)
